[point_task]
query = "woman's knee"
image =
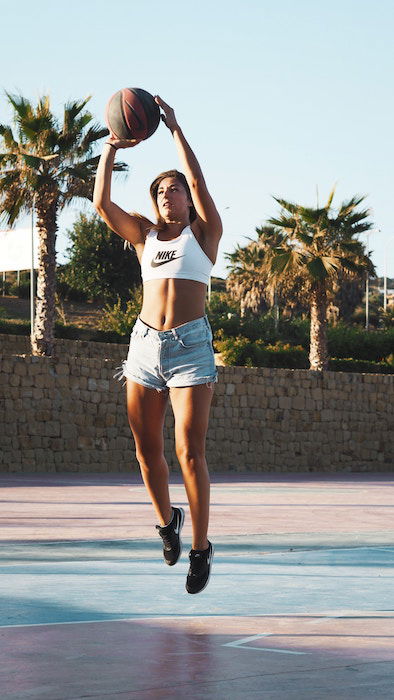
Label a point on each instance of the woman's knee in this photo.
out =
(149, 456)
(191, 457)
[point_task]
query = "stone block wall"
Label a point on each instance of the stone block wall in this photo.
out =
(68, 414)
(20, 344)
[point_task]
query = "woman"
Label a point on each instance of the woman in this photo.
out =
(171, 342)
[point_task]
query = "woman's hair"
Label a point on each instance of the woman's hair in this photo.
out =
(153, 193)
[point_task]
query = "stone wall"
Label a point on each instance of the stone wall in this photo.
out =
(20, 345)
(67, 413)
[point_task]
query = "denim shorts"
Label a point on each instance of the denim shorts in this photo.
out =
(179, 357)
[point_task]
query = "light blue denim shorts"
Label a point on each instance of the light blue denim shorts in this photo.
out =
(179, 357)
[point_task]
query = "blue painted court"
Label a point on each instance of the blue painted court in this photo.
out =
(299, 604)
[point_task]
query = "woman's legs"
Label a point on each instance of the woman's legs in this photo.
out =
(191, 406)
(146, 412)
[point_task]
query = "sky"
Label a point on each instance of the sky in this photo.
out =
(279, 98)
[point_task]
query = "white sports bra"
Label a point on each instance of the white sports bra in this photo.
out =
(181, 258)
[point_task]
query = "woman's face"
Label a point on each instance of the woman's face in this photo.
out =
(172, 200)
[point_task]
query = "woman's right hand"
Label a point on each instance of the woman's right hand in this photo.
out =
(122, 143)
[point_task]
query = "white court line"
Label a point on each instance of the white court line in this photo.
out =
(238, 644)
(83, 622)
(344, 613)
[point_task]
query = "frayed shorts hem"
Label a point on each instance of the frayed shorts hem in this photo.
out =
(194, 382)
(123, 373)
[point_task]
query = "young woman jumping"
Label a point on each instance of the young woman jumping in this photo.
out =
(171, 343)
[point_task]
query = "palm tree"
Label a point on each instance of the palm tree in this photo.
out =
(44, 168)
(320, 243)
(246, 282)
(249, 279)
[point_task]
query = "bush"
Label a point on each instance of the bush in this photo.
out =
(14, 327)
(281, 355)
(241, 351)
(118, 319)
(72, 332)
(348, 364)
(21, 290)
(5, 287)
(346, 341)
(229, 324)
(387, 317)
(69, 332)
(343, 341)
(68, 293)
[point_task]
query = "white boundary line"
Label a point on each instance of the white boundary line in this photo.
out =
(316, 618)
(238, 644)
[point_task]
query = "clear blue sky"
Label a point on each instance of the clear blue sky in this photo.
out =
(279, 98)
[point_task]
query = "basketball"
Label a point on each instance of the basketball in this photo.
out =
(132, 113)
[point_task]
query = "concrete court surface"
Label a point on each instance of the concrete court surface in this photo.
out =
(299, 605)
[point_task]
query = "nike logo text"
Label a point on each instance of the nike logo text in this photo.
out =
(165, 256)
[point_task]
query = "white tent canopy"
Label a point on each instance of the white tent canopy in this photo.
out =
(15, 249)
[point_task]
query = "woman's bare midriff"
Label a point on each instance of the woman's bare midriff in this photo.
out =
(171, 302)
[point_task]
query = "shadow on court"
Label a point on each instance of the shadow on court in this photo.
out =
(299, 604)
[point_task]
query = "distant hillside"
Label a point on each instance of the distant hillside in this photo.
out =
(379, 282)
(218, 284)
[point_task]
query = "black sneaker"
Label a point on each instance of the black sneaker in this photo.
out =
(170, 534)
(200, 569)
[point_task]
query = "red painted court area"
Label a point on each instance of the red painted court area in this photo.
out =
(299, 604)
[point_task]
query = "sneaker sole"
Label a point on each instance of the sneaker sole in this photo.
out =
(209, 576)
(182, 520)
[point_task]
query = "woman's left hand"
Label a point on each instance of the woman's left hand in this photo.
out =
(168, 117)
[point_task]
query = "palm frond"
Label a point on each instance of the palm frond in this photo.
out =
(305, 238)
(8, 138)
(330, 198)
(120, 167)
(347, 207)
(72, 109)
(312, 216)
(83, 121)
(36, 162)
(287, 223)
(350, 246)
(8, 158)
(22, 106)
(317, 269)
(362, 227)
(286, 261)
(280, 262)
(288, 206)
(44, 106)
(331, 263)
(36, 127)
(350, 265)
(15, 199)
(93, 134)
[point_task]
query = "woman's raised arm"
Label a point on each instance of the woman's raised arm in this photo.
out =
(204, 205)
(131, 228)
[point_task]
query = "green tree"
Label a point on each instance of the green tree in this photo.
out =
(99, 264)
(249, 279)
(45, 166)
(246, 282)
(320, 243)
(347, 294)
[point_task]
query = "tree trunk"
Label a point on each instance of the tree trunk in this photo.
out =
(318, 357)
(42, 341)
